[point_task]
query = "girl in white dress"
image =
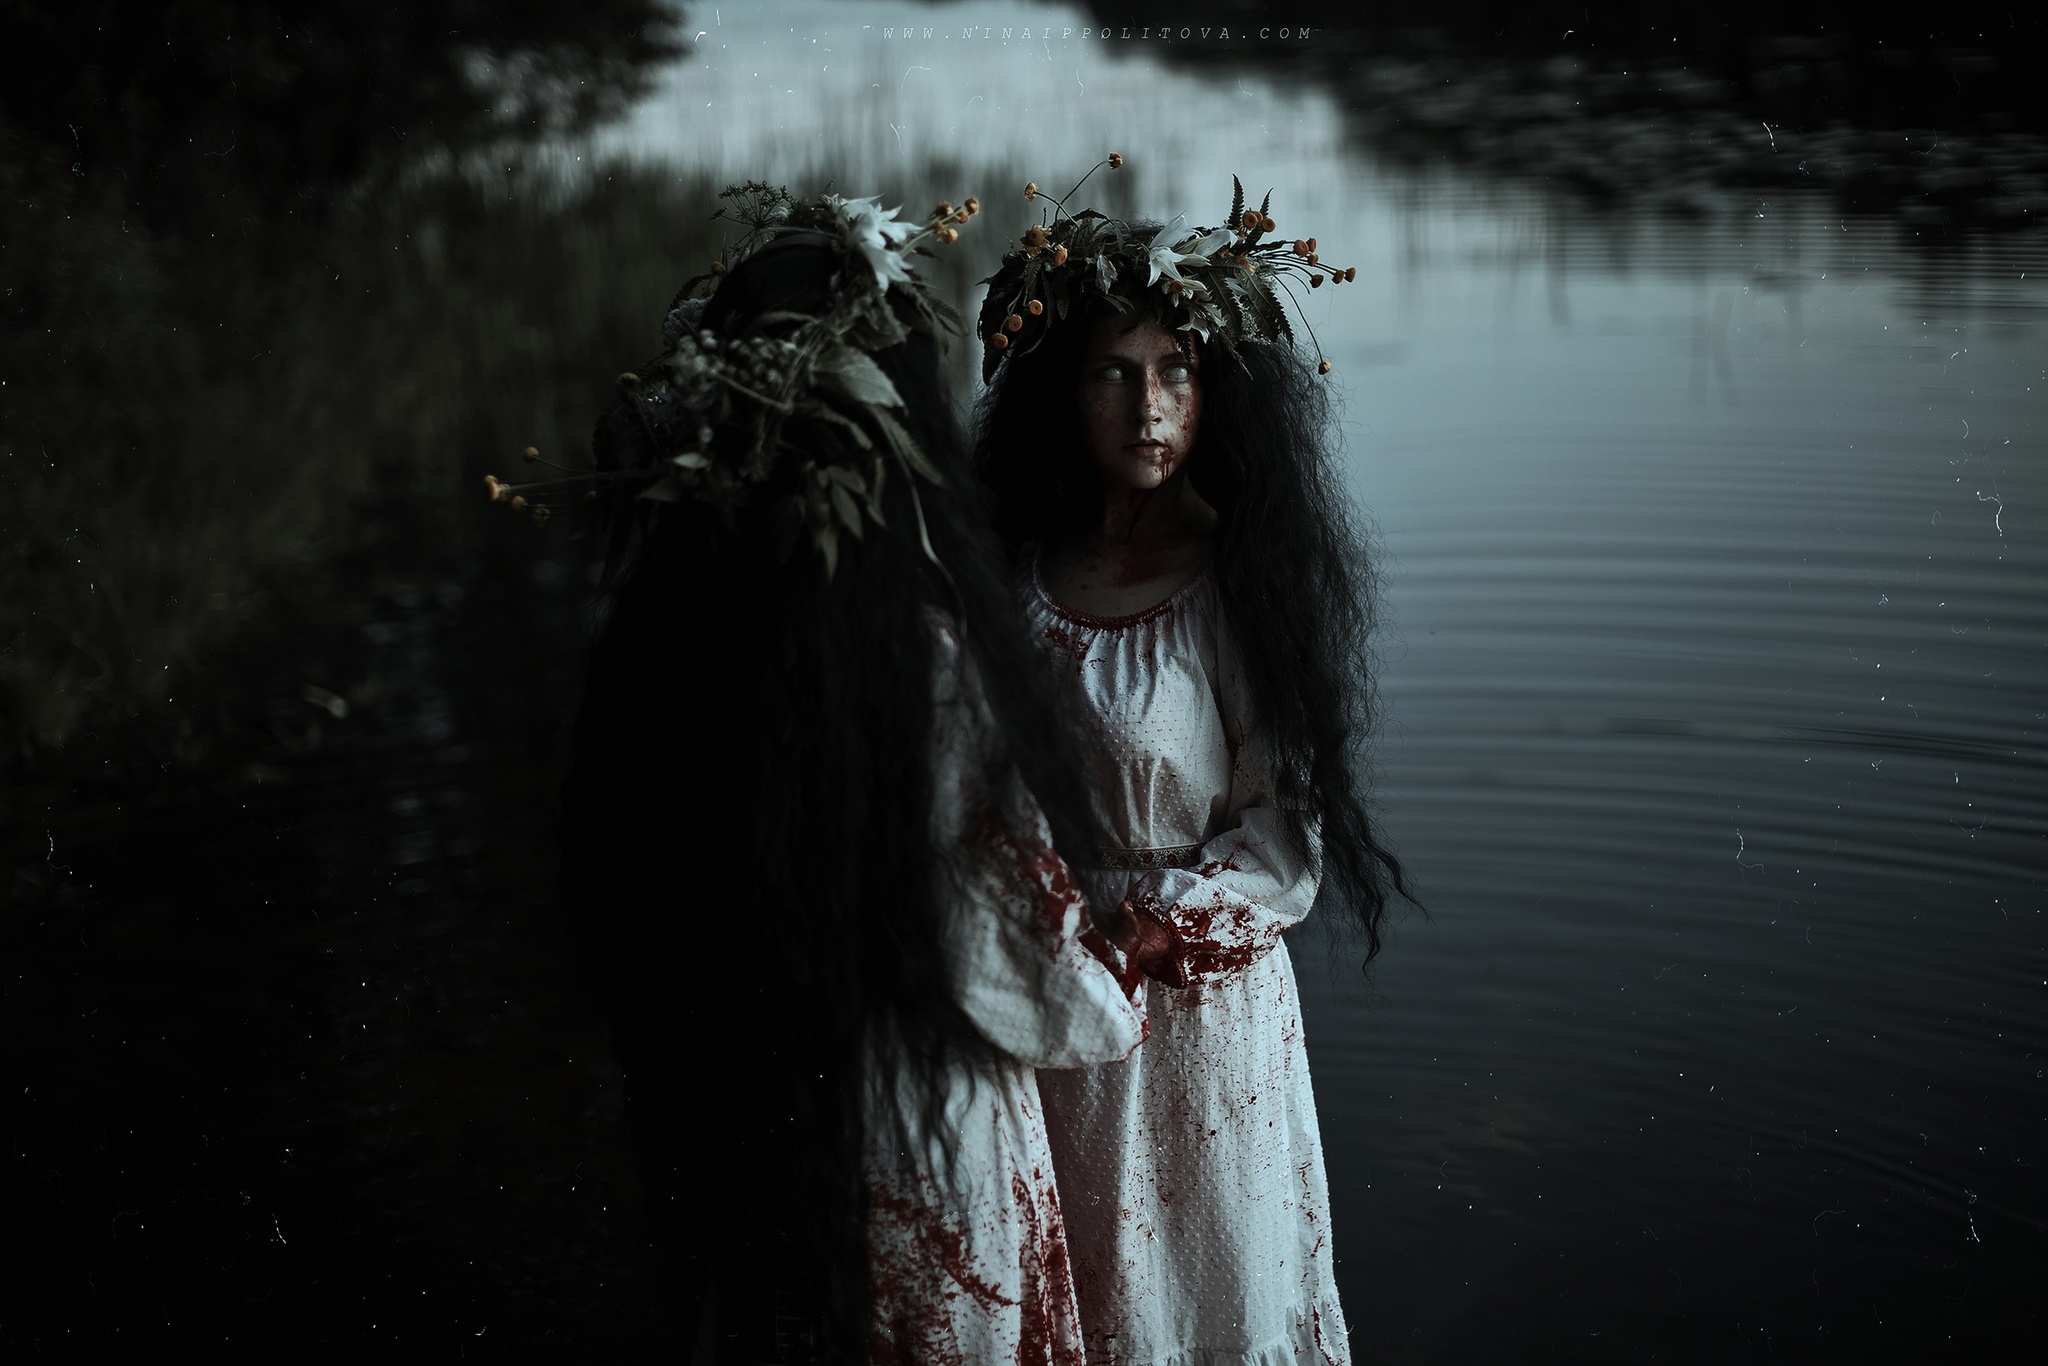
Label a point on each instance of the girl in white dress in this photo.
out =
(1158, 450)
(813, 822)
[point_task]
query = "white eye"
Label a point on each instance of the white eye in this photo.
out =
(1177, 373)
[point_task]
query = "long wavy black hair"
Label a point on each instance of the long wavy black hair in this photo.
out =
(746, 850)
(1290, 562)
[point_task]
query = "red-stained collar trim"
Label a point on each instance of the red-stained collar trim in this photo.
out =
(1080, 618)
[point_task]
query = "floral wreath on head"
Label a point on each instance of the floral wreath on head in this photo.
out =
(1218, 283)
(803, 405)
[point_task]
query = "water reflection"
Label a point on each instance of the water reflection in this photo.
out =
(1716, 729)
(1716, 568)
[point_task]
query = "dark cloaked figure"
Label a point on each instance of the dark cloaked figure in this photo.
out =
(746, 847)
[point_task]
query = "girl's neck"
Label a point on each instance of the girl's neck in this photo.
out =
(1149, 545)
(1144, 522)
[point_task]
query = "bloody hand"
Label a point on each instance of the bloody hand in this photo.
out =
(1146, 942)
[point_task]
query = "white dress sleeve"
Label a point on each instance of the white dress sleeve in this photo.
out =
(1252, 883)
(1018, 928)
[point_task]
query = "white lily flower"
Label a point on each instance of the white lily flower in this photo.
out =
(1170, 247)
(1213, 243)
(1160, 254)
(875, 233)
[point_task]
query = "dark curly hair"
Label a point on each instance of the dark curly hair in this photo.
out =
(746, 851)
(1290, 562)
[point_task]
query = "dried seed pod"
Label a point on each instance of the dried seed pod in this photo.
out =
(1034, 308)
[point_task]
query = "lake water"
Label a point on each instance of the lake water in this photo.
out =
(1715, 688)
(1716, 737)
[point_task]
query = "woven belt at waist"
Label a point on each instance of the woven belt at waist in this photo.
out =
(1139, 860)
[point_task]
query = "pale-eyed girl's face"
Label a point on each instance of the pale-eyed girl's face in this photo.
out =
(1141, 403)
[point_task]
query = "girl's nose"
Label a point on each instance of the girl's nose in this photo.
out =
(1152, 399)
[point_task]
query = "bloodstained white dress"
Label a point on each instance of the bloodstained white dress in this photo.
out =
(973, 1268)
(1192, 1172)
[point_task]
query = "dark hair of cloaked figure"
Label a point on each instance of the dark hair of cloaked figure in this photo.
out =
(745, 853)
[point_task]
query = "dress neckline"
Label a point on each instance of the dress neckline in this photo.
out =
(1080, 618)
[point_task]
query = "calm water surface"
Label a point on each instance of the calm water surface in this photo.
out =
(1715, 737)
(1714, 687)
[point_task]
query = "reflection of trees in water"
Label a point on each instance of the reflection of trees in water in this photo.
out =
(1666, 141)
(229, 313)
(1777, 244)
(281, 105)
(1935, 118)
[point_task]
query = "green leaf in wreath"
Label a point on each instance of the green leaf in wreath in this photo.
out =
(948, 316)
(906, 446)
(826, 538)
(877, 472)
(854, 374)
(848, 510)
(844, 423)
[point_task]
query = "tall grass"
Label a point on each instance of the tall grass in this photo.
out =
(189, 427)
